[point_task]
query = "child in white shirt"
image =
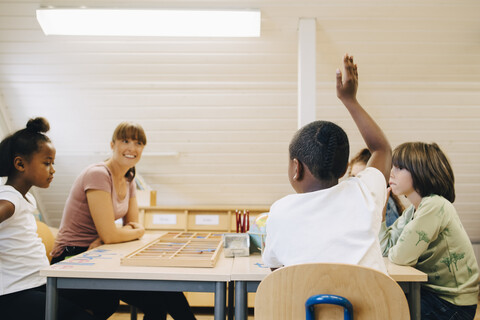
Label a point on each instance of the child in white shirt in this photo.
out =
(26, 158)
(328, 221)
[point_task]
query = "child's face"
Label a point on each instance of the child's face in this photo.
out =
(127, 151)
(39, 170)
(401, 181)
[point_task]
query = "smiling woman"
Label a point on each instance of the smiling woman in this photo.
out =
(102, 193)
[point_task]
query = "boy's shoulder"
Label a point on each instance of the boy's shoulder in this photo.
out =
(373, 179)
(435, 201)
(437, 207)
(371, 173)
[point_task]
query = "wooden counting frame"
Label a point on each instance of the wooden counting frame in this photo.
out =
(178, 249)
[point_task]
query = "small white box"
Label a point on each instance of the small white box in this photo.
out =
(236, 245)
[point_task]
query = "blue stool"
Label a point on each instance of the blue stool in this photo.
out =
(328, 299)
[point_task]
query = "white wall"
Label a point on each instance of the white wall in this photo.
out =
(228, 107)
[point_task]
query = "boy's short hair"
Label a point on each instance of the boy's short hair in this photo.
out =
(430, 169)
(323, 147)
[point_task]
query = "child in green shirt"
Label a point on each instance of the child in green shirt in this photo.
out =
(429, 234)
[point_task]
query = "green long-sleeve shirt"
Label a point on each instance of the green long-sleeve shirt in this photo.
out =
(433, 240)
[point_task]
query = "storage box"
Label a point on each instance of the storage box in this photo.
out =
(236, 245)
(165, 220)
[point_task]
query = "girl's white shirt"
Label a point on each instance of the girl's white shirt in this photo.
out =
(22, 253)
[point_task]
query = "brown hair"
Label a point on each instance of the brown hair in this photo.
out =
(430, 169)
(129, 130)
(363, 156)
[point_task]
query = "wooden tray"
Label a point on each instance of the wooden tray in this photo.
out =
(178, 249)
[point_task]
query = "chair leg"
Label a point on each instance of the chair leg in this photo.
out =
(133, 313)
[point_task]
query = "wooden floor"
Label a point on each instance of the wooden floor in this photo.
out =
(200, 314)
(204, 314)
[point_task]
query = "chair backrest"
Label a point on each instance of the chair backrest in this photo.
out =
(47, 237)
(374, 295)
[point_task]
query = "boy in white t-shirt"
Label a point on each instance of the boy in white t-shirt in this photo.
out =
(328, 221)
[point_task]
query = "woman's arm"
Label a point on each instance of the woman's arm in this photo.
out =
(132, 213)
(101, 209)
(373, 136)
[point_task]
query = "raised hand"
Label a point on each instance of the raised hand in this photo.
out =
(347, 89)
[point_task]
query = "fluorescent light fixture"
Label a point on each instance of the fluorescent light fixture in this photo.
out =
(167, 23)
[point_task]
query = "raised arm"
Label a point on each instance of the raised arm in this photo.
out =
(373, 136)
(101, 209)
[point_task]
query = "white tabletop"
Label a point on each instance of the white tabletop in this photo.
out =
(252, 269)
(104, 262)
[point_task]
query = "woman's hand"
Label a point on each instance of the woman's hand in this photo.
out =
(98, 242)
(135, 225)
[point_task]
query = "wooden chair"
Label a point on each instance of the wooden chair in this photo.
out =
(282, 294)
(47, 237)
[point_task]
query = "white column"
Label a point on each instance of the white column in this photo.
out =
(306, 70)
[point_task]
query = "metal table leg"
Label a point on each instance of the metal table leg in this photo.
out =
(241, 300)
(220, 300)
(52, 299)
(231, 294)
(414, 300)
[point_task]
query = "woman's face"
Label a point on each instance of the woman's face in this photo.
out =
(127, 151)
(401, 181)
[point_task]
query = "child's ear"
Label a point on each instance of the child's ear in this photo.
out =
(19, 164)
(298, 167)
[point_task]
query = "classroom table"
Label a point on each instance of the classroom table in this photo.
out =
(248, 272)
(100, 269)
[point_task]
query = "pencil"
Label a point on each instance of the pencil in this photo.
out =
(237, 218)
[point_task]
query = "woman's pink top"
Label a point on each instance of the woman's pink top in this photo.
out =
(77, 227)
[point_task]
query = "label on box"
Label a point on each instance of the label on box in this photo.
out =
(207, 219)
(164, 219)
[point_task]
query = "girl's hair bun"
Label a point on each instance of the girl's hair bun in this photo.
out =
(38, 124)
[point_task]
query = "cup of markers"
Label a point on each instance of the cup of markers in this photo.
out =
(243, 220)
